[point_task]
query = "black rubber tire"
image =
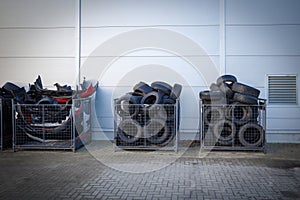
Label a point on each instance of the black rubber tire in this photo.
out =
(225, 88)
(211, 95)
(239, 113)
(129, 131)
(206, 102)
(251, 135)
(214, 87)
(213, 114)
(225, 131)
(176, 91)
(220, 102)
(168, 100)
(255, 114)
(169, 107)
(142, 88)
(245, 89)
(245, 99)
(128, 105)
(153, 98)
(157, 131)
(157, 111)
(170, 136)
(162, 87)
(136, 94)
(226, 79)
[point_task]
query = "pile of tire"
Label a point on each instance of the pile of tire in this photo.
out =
(231, 113)
(148, 115)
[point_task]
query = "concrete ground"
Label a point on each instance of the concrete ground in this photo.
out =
(100, 172)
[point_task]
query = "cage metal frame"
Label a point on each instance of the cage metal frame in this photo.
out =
(208, 141)
(143, 144)
(1, 127)
(72, 143)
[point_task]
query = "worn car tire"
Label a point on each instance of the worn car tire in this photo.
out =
(157, 131)
(128, 105)
(152, 98)
(245, 89)
(129, 131)
(176, 91)
(142, 88)
(213, 114)
(226, 90)
(214, 87)
(226, 79)
(246, 99)
(251, 134)
(211, 95)
(170, 136)
(239, 113)
(157, 111)
(168, 100)
(225, 131)
(162, 87)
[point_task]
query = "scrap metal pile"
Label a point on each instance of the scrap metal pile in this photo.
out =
(45, 115)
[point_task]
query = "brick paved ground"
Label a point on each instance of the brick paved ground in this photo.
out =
(229, 175)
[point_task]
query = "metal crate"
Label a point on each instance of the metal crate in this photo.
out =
(6, 123)
(1, 132)
(52, 126)
(139, 126)
(233, 126)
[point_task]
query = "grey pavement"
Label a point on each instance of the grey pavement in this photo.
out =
(33, 174)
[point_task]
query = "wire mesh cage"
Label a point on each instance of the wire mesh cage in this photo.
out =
(141, 126)
(82, 122)
(233, 126)
(1, 133)
(52, 126)
(6, 123)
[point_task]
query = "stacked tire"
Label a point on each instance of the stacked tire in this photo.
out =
(231, 113)
(147, 115)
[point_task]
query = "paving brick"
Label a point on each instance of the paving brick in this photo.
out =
(65, 175)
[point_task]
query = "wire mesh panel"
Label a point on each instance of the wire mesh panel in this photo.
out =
(140, 126)
(233, 126)
(43, 126)
(82, 121)
(1, 133)
(6, 124)
(52, 126)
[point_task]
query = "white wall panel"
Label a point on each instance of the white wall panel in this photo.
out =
(26, 70)
(37, 13)
(206, 37)
(291, 112)
(147, 13)
(263, 40)
(257, 67)
(262, 12)
(120, 77)
(282, 125)
(37, 42)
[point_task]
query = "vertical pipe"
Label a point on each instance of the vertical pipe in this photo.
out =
(222, 35)
(78, 43)
(13, 125)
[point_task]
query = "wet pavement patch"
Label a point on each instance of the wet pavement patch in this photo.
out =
(291, 194)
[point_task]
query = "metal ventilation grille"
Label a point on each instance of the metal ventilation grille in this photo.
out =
(282, 89)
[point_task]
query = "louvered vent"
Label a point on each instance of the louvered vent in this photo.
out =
(282, 89)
